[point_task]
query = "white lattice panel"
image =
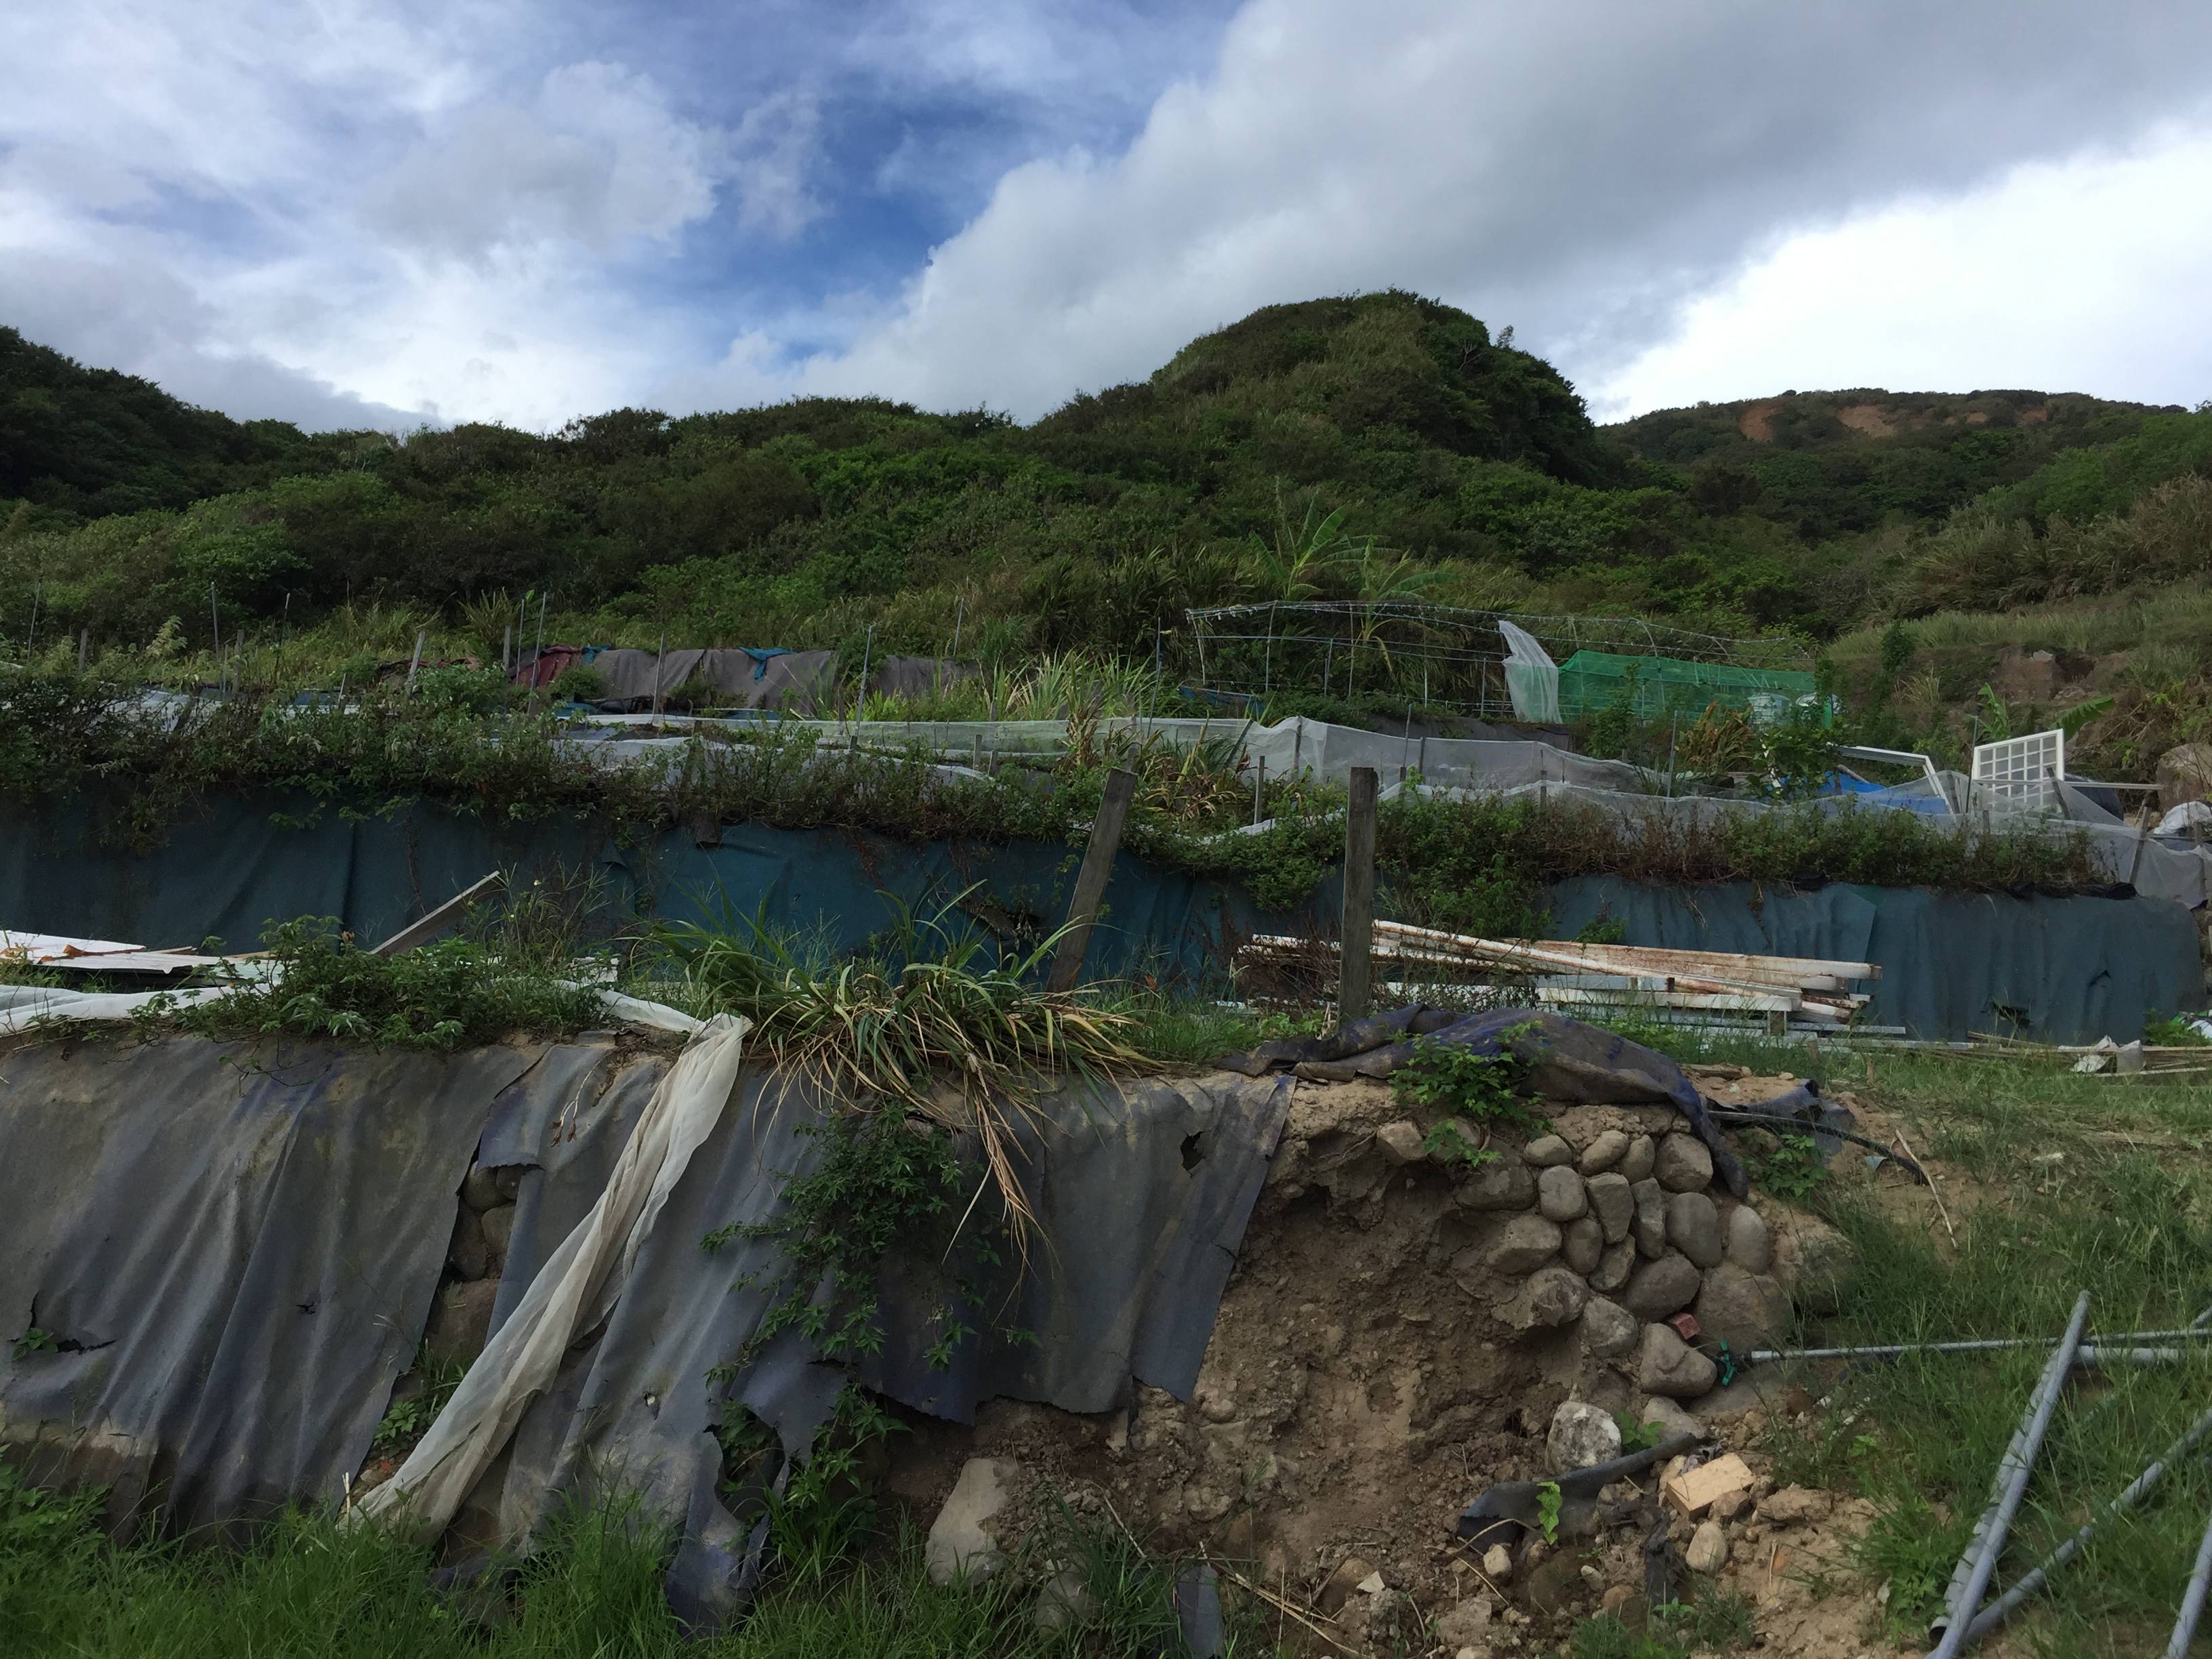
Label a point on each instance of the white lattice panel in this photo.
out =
(2020, 772)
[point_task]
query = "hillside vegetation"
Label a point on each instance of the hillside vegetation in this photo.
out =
(1382, 446)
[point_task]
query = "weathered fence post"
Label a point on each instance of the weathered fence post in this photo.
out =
(1090, 880)
(1354, 985)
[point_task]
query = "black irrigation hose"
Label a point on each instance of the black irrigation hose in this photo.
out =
(1779, 1127)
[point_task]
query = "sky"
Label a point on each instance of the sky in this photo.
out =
(344, 214)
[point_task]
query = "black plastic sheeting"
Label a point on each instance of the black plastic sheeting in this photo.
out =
(233, 1255)
(238, 1253)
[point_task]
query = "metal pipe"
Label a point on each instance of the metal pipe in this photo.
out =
(2140, 1488)
(2192, 1600)
(1970, 1580)
(1984, 1344)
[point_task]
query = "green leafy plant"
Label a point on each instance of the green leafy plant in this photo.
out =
(427, 1387)
(1549, 1501)
(1483, 1090)
(1790, 1166)
(33, 1340)
(1635, 1435)
(314, 982)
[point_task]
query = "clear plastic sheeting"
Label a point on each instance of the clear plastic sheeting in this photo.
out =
(1532, 678)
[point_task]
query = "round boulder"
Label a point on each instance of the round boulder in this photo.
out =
(1660, 1288)
(1746, 1311)
(1609, 1330)
(1553, 1297)
(1750, 1243)
(1546, 1151)
(1637, 1162)
(1584, 1244)
(1524, 1244)
(1613, 1201)
(1668, 1366)
(1683, 1165)
(1602, 1153)
(1693, 1227)
(1560, 1193)
(1581, 1435)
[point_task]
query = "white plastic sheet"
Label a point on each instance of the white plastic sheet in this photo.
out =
(574, 1292)
(1532, 678)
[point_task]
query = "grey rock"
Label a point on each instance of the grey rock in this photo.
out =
(459, 1319)
(508, 1177)
(1750, 1243)
(1524, 1244)
(1649, 1225)
(1683, 1165)
(1503, 1185)
(1744, 1309)
(1609, 1330)
(1560, 1193)
(1663, 1415)
(1603, 1154)
(1547, 1152)
(1498, 1564)
(1584, 1246)
(1663, 1287)
(498, 1223)
(1400, 1142)
(1693, 1227)
(1581, 1435)
(1466, 1624)
(1637, 1162)
(466, 1253)
(1669, 1366)
(1553, 1297)
(1613, 1201)
(1613, 1267)
(1064, 1603)
(961, 1541)
(1708, 1551)
(1816, 1264)
(480, 1188)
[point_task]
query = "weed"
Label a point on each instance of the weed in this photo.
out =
(316, 982)
(1548, 1500)
(1713, 1622)
(1636, 1436)
(883, 1182)
(2175, 1031)
(1790, 1166)
(33, 1340)
(828, 1507)
(1483, 1088)
(406, 1420)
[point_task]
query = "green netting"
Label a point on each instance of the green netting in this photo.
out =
(1592, 682)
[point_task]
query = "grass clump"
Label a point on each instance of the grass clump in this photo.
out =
(928, 1022)
(314, 982)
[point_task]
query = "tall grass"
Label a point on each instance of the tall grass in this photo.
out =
(308, 1589)
(930, 1020)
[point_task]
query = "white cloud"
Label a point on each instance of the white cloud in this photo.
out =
(778, 152)
(595, 157)
(1579, 169)
(2081, 276)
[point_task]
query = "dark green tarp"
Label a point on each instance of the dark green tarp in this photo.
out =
(2060, 970)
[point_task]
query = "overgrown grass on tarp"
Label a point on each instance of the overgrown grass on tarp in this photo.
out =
(147, 768)
(308, 1589)
(315, 981)
(930, 1020)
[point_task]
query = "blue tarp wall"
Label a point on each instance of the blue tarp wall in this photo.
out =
(2058, 969)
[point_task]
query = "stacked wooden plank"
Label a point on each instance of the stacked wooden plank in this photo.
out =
(1804, 991)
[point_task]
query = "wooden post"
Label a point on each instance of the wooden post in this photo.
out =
(415, 661)
(1259, 788)
(1090, 880)
(660, 667)
(1358, 932)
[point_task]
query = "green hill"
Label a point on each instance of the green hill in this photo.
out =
(78, 443)
(1376, 445)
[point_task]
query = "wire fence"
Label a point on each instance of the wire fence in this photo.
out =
(1437, 656)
